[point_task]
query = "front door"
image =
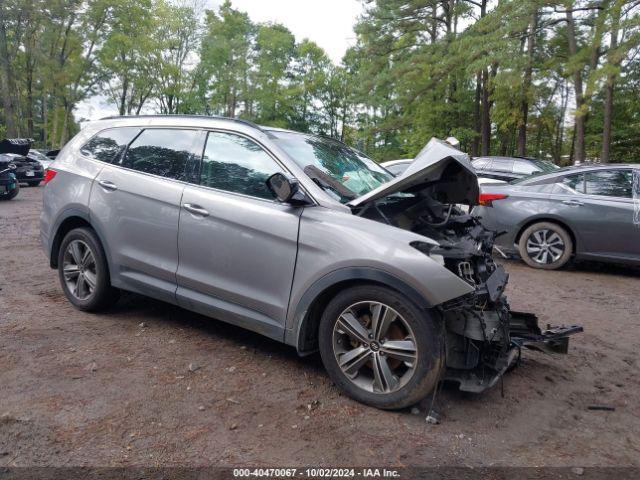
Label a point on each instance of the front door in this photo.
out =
(237, 245)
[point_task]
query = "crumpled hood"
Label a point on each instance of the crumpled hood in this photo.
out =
(443, 170)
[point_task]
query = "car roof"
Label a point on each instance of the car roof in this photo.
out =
(179, 118)
(572, 169)
(508, 159)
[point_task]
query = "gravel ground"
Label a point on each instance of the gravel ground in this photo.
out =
(149, 384)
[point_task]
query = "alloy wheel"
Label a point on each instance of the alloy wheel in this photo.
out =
(79, 270)
(374, 347)
(545, 246)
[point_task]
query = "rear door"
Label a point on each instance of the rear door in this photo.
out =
(135, 202)
(237, 245)
(610, 230)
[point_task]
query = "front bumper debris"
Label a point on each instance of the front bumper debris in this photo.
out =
(485, 359)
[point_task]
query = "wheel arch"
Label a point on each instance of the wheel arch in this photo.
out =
(556, 221)
(309, 309)
(67, 222)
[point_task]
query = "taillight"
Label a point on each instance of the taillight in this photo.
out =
(49, 175)
(487, 199)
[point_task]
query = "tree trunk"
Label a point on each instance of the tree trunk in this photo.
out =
(521, 147)
(475, 145)
(609, 86)
(486, 110)
(578, 149)
(6, 84)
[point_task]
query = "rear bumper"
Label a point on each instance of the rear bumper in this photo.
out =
(37, 177)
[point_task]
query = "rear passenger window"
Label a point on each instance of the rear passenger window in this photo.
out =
(107, 145)
(573, 183)
(163, 152)
(236, 164)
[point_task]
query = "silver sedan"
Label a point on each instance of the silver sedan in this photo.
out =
(587, 212)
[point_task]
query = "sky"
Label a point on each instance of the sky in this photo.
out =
(329, 23)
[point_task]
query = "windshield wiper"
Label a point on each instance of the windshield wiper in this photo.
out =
(327, 182)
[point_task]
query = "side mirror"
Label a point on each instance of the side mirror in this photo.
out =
(286, 189)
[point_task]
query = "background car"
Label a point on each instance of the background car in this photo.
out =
(28, 170)
(397, 167)
(9, 187)
(41, 157)
(585, 212)
(510, 168)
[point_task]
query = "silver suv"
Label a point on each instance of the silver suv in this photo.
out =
(294, 236)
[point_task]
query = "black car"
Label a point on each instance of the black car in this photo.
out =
(511, 168)
(9, 187)
(28, 170)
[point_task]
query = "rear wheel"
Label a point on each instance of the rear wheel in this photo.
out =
(379, 348)
(34, 184)
(83, 271)
(545, 245)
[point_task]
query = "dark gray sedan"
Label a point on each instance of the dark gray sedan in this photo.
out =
(587, 212)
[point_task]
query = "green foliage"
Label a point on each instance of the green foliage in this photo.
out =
(503, 77)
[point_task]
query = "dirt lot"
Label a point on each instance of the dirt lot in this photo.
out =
(151, 384)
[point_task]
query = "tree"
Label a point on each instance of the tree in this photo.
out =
(224, 61)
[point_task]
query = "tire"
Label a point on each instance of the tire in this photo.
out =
(34, 184)
(92, 271)
(412, 380)
(545, 245)
(11, 195)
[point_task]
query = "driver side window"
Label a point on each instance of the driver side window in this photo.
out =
(236, 164)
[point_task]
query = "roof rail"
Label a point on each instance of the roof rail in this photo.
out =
(181, 115)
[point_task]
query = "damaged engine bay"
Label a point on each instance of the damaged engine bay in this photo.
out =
(483, 337)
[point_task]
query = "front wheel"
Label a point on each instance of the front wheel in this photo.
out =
(379, 348)
(545, 245)
(83, 271)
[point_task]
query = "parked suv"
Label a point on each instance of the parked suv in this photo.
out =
(294, 236)
(510, 168)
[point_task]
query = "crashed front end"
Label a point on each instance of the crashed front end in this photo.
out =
(483, 336)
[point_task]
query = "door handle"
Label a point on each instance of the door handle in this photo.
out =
(195, 210)
(107, 185)
(573, 203)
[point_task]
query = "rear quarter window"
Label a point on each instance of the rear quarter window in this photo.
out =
(108, 145)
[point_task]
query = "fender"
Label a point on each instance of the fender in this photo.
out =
(298, 334)
(84, 215)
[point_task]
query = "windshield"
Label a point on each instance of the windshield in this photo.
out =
(341, 171)
(545, 165)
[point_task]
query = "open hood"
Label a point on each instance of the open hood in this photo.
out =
(19, 146)
(440, 170)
